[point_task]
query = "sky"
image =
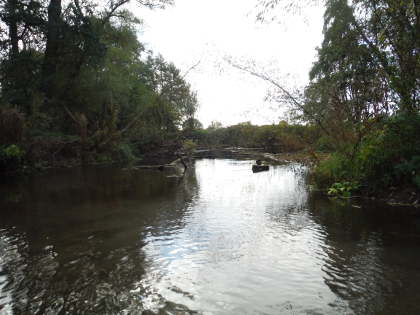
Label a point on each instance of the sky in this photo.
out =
(207, 32)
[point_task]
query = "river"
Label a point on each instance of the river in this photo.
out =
(219, 240)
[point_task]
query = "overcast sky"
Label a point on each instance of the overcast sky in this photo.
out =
(207, 31)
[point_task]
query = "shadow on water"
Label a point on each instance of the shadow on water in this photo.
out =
(371, 254)
(221, 240)
(71, 242)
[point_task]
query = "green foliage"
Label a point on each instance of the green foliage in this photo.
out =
(125, 153)
(20, 78)
(409, 168)
(364, 96)
(189, 147)
(331, 170)
(388, 156)
(13, 151)
(11, 157)
(342, 190)
(282, 137)
(78, 78)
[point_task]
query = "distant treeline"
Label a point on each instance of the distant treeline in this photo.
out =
(282, 137)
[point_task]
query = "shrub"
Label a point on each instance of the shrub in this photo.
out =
(11, 157)
(335, 168)
(389, 155)
(124, 152)
(342, 190)
(189, 147)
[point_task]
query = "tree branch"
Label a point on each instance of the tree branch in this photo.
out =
(288, 95)
(113, 7)
(191, 68)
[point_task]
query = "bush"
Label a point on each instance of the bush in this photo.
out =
(336, 168)
(391, 155)
(189, 147)
(387, 156)
(342, 190)
(124, 153)
(11, 157)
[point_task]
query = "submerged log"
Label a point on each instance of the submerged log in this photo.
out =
(259, 168)
(176, 168)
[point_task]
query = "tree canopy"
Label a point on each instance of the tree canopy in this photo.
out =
(77, 68)
(364, 89)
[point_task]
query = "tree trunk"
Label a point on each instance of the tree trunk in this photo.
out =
(13, 30)
(52, 47)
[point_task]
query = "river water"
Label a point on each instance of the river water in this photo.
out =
(220, 240)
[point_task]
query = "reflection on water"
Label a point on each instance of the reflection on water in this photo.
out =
(220, 240)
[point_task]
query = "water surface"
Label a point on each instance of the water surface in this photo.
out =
(220, 240)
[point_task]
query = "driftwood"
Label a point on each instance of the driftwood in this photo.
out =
(171, 166)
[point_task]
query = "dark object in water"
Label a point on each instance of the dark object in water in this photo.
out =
(258, 162)
(259, 168)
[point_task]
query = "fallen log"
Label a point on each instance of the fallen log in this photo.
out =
(259, 168)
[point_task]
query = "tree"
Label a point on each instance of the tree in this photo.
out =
(368, 66)
(215, 125)
(81, 59)
(140, 99)
(76, 27)
(390, 32)
(172, 89)
(192, 124)
(267, 9)
(54, 27)
(348, 88)
(13, 28)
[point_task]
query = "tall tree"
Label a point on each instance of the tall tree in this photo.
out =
(54, 26)
(13, 28)
(348, 86)
(77, 25)
(391, 30)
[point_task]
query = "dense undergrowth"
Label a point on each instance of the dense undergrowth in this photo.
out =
(386, 158)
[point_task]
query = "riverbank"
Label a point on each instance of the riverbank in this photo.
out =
(67, 155)
(43, 155)
(58, 153)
